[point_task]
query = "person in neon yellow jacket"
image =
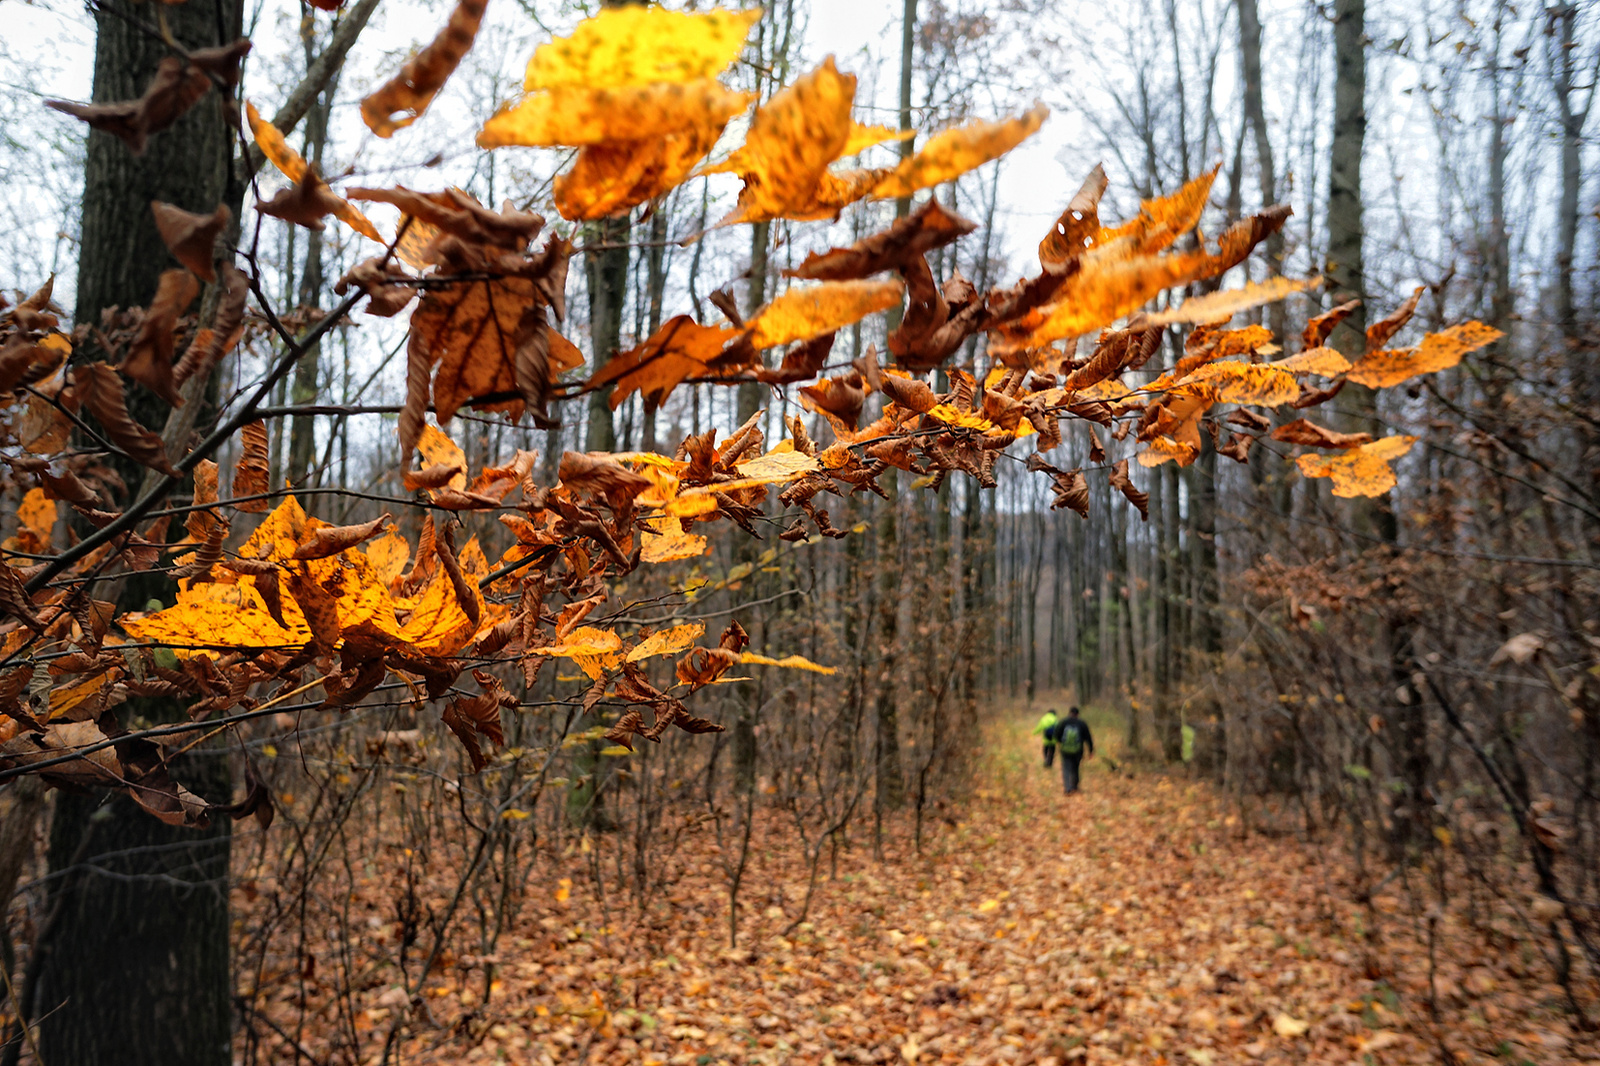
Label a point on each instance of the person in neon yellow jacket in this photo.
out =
(1046, 722)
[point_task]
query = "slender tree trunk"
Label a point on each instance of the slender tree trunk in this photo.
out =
(606, 270)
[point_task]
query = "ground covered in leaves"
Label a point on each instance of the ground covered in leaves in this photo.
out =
(1136, 922)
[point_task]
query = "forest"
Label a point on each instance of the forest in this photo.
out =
(543, 533)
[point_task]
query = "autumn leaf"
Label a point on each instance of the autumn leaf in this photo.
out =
(409, 92)
(1361, 471)
(177, 86)
(1438, 351)
(638, 45)
(1079, 225)
(304, 203)
(250, 475)
(863, 137)
(1163, 448)
(217, 616)
(1246, 383)
(1125, 271)
(635, 89)
(289, 162)
(1224, 303)
(100, 389)
(804, 312)
(149, 358)
(792, 139)
(1123, 484)
(792, 662)
(672, 544)
(1380, 332)
(1323, 362)
(190, 237)
(952, 153)
(1302, 431)
(331, 540)
(666, 642)
(680, 349)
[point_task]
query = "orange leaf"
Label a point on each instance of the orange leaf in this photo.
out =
(803, 313)
(1363, 471)
(950, 154)
(1438, 351)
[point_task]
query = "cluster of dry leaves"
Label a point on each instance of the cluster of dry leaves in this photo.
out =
(1138, 922)
(297, 604)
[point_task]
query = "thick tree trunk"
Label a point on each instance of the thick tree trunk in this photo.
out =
(135, 969)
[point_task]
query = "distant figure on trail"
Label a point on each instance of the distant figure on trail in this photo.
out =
(1071, 735)
(1047, 722)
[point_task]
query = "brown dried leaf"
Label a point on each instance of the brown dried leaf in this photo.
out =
(100, 389)
(1123, 484)
(192, 238)
(251, 473)
(331, 540)
(411, 91)
(149, 359)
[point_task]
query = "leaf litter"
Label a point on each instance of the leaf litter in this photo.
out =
(1140, 921)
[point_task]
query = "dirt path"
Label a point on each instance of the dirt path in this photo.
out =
(1130, 923)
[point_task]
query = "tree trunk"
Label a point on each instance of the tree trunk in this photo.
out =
(135, 968)
(606, 270)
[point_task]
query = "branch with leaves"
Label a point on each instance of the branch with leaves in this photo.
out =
(353, 608)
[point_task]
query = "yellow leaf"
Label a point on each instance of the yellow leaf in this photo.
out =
(667, 641)
(280, 533)
(792, 662)
(609, 178)
(636, 45)
(1288, 1027)
(1247, 383)
(792, 139)
(219, 616)
(37, 518)
(782, 463)
(863, 137)
(1224, 304)
(1324, 362)
(437, 447)
(1163, 448)
(988, 905)
(584, 640)
(514, 814)
(65, 698)
(810, 311)
(288, 161)
(1363, 471)
(675, 543)
(388, 555)
(1438, 351)
(1164, 219)
(952, 153)
(438, 625)
(585, 115)
(950, 416)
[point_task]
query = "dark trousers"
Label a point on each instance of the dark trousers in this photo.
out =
(1069, 771)
(1049, 755)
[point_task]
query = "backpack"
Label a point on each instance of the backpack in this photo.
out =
(1069, 736)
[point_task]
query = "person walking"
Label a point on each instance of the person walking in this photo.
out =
(1074, 741)
(1047, 722)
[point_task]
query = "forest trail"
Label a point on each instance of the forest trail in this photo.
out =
(1132, 923)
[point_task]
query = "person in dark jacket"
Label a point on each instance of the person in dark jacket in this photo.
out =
(1073, 741)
